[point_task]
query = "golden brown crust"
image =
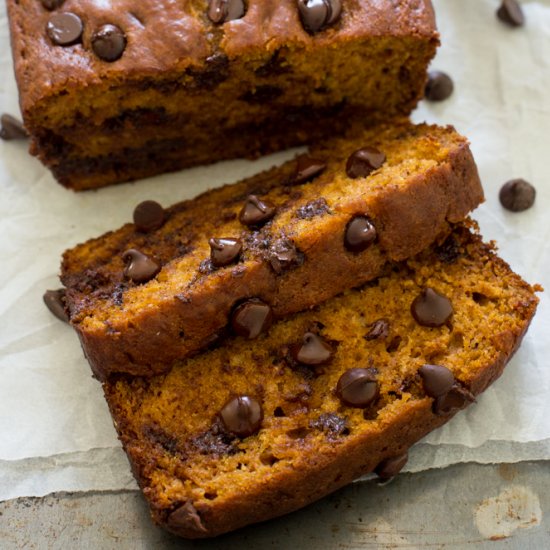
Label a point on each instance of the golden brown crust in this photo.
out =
(288, 463)
(431, 180)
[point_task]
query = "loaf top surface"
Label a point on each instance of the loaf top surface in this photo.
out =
(184, 452)
(164, 36)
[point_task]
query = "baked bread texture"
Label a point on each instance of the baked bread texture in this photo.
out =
(251, 431)
(283, 241)
(112, 92)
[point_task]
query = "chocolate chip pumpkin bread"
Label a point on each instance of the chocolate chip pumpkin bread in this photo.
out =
(250, 431)
(117, 91)
(280, 242)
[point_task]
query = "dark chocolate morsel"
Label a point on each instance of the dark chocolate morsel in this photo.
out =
(357, 387)
(379, 330)
(12, 128)
(220, 11)
(510, 12)
(283, 255)
(55, 302)
(360, 234)
(242, 416)
(251, 318)
(139, 267)
(149, 216)
(439, 86)
(307, 168)
(187, 518)
(224, 251)
(64, 28)
(317, 14)
(431, 309)
(390, 467)
(436, 380)
(108, 42)
(364, 161)
(313, 350)
(457, 398)
(517, 195)
(255, 212)
(52, 4)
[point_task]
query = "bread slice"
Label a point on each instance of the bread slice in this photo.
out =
(250, 431)
(325, 234)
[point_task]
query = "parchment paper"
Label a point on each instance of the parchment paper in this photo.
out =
(55, 429)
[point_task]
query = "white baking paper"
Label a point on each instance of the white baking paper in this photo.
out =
(55, 429)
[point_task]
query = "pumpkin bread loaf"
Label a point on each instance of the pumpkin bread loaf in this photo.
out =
(115, 91)
(253, 430)
(234, 258)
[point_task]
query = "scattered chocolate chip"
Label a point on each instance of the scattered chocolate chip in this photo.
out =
(360, 234)
(52, 4)
(139, 267)
(517, 195)
(394, 344)
(457, 398)
(357, 387)
(390, 467)
(317, 14)
(55, 302)
(12, 128)
(251, 318)
(510, 12)
(255, 212)
(431, 309)
(283, 255)
(108, 42)
(313, 350)
(224, 251)
(242, 416)
(220, 11)
(436, 380)
(379, 330)
(449, 251)
(317, 207)
(332, 425)
(186, 517)
(149, 216)
(439, 86)
(307, 168)
(64, 28)
(364, 161)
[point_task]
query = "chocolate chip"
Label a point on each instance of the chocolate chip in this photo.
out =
(314, 208)
(224, 251)
(55, 302)
(390, 467)
(360, 234)
(364, 161)
(12, 128)
(457, 398)
(517, 195)
(431, 309)
(379, 330)
(312, 351)
(332, 425)
(242, 416)
(436, 380)
(149, 216)
(357, 387)
(64, 28)
(139, 267)
(439, 86)
(449, 251)
(510, 12)
(307, 168)
(52, 4)
(108, 42)
(220, 11)
(283, 255)
(317, 14)
(251, 318)
(255, 212)
(186, 517)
